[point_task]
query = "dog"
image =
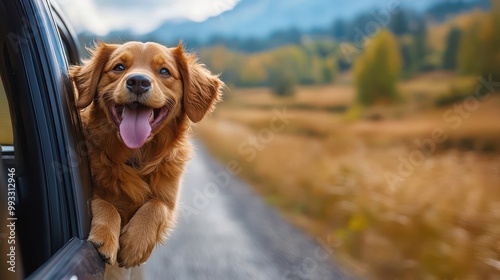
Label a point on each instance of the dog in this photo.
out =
(137, 103)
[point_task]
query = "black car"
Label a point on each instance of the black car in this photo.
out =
(45, 180)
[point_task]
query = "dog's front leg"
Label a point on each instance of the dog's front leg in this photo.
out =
(147, 227)
(105, 229)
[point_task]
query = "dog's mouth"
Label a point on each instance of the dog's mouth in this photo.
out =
(136, 122)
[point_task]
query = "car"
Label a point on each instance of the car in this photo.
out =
(45, 179)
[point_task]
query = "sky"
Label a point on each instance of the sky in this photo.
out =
(141, 16)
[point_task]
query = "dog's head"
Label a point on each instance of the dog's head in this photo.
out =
(141, 87)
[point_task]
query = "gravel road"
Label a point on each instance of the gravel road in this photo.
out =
(225, 231)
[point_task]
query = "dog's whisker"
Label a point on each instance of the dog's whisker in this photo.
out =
(171, 103)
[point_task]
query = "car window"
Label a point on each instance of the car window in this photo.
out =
(38, 142)
(6, 135)
(9, 199)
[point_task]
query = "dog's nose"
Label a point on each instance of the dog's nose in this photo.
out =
(138, 84)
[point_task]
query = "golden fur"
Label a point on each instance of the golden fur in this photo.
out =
(135, 190)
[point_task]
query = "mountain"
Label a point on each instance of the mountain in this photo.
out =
(251, 22)
(259, 18)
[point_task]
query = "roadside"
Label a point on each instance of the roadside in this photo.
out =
(225, 231)
(400, 190)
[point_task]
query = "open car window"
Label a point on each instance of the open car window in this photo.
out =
(41, 137)
(6, 135)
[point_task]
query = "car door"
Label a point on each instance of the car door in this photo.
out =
(46, 180)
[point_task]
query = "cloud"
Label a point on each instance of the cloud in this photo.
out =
(143, 16)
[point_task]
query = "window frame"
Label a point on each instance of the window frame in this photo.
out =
(54, 181)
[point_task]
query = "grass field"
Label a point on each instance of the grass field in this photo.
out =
(410, 191)
(6, 136)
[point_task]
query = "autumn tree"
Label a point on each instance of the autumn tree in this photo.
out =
(451, 51)
(322, 66)
(479, 51)
(287, 65)
(469, 60)
(490, 38)
(283, 68)
(377, 70)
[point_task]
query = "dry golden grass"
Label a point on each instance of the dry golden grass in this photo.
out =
(316, 97)
(432, 85)
(6, 136)
(439, 219)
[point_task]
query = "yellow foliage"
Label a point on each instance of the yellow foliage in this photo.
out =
(295, 63)
(377, 70)
(479, 51)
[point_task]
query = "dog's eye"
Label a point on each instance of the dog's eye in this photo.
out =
(165, 72)
(119, 68)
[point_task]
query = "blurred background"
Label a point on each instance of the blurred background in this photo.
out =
(372, 125)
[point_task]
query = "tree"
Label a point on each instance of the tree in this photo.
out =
(377, 70)
(479, 51)
(282, 82)
(420, 43)
(469, 51)
(321, 65)
(399, 24)
(222, 60)
(286, 67)
(490, 38)
(413, 47)
(329, 70)
(409, 60)
(339, 28)
(451, 51)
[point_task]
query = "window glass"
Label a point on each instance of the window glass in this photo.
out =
(6, 135)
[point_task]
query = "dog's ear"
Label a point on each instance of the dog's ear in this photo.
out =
(86, 77)
(201, 88)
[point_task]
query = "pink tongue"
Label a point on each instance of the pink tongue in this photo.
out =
(135, 127)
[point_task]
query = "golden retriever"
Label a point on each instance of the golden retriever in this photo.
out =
(138, 101)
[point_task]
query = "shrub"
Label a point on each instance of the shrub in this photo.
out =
(377, 71)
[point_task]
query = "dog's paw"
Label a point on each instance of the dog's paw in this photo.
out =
(106, 244)
(135, 246)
